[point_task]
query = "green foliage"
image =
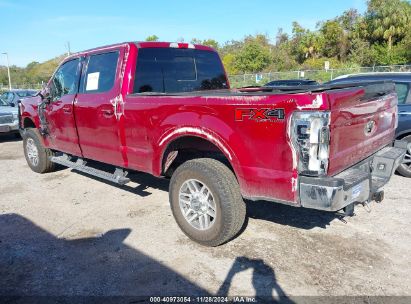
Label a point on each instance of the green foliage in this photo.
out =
(333, 33)
(388, 21)
(387, 56)
(152, 38)
(33, 73)
(380, 36)
(208, 42)
(253, 57)
(228, 61)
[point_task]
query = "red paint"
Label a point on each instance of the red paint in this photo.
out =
(259, 150)
(349, 115)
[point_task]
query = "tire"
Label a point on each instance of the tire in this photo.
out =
(220, 203)
(405, 168)
(37, 156)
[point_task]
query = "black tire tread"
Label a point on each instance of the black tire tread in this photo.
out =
(45, 165)
(401, 170)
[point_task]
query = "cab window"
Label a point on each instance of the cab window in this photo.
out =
(65, 80)
(170, 70)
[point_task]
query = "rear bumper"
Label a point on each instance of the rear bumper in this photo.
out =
(356, 184)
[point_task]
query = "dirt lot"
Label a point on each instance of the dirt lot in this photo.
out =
(64, 233)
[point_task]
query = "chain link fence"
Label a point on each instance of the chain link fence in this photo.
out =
(244, 80)
(237, 81)
(31, 86)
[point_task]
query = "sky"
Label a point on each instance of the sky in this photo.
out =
(39, 30)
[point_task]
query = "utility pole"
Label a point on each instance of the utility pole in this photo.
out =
(8, 68)
(68, 48)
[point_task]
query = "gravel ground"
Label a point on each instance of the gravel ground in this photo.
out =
(65, 233)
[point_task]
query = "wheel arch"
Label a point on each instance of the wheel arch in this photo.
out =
(28, 123)
(194, 143)
(404, 134)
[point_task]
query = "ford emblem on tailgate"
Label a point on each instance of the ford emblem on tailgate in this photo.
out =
(369, 127)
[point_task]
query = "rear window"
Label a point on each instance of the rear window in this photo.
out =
(101, 73)
(169, 70)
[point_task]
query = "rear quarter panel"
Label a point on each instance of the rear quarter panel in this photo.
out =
(259, 151)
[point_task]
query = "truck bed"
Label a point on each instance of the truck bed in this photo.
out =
(376, 88)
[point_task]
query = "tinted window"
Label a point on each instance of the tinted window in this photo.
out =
(101, 73)
(168, 70)
(65, 80)
(402, 92)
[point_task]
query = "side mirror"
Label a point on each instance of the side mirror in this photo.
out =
(44, 93)
(12, 104)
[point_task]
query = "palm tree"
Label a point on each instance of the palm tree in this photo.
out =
(389, 20)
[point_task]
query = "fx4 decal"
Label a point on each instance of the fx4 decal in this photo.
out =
(262, 114)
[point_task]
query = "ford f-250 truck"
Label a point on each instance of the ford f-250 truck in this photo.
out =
(167, 109)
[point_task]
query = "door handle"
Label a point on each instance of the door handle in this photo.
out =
(404, 113)
(67, 110)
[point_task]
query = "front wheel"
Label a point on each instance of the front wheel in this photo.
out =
(206, 201)
(405, 168)
(37, 156)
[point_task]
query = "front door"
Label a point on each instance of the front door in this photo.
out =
(59, 112)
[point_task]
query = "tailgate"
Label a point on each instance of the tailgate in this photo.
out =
(363, 120)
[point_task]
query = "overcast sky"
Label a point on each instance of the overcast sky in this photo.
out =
(39, 30)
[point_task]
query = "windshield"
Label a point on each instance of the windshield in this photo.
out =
(25, 93)
(170, 70)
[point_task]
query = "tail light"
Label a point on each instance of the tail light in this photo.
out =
(310, 135)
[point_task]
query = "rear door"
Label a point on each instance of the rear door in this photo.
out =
(363, 120)
(59, 112)
(96, 119)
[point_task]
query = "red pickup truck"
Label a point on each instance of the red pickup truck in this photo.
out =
(167, 109)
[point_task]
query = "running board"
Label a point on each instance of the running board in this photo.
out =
(118, 177)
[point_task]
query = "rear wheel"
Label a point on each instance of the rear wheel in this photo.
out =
(37, 156)
(206, 201)
(405, 168)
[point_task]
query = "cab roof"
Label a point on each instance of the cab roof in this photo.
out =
(146, 44)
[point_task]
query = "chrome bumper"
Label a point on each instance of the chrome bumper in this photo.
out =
(9, 127)
(354, 185)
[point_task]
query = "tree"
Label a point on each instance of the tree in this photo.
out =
(211, 43)
(304, 43)
(349, 19)
(196, 41)
(281, 37)
(208, 42)
(252, 58)
(388, 21)
(152, 38)
(228, 62)
(335, 41)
